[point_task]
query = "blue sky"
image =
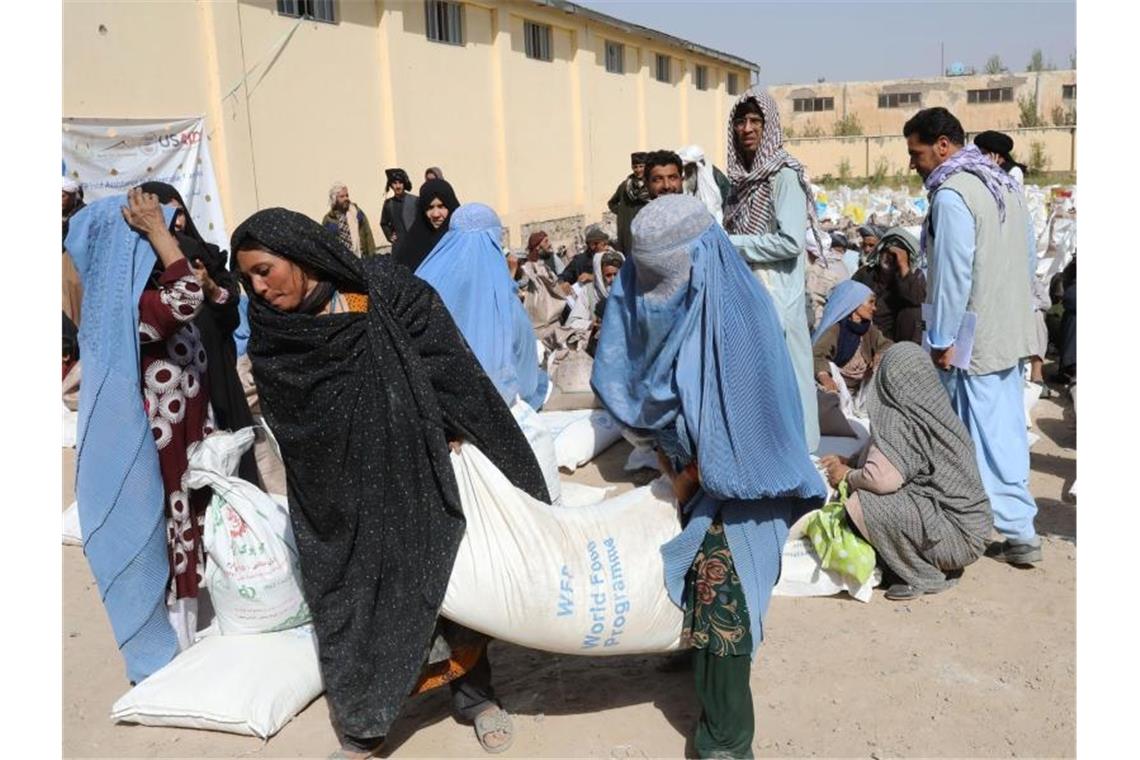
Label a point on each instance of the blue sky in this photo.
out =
(853, 40)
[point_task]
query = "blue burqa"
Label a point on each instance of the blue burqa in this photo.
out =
(118, 481)
(468, 270)
(844, 298)
(691, 351)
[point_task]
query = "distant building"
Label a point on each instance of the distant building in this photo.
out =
(532, 107)
(980, 101)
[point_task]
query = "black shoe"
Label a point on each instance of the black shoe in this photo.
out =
(1025, 555)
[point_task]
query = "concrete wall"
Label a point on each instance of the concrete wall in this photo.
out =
(536, 140)
(824, 156)
(862, 100)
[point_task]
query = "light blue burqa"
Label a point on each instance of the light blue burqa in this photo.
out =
(844, 298)
(118, 481)
(691, 352)
(469, 272)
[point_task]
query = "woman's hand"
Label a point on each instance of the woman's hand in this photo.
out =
(209, 287)
(585, 277)
(143, 213)
(825, 382)
(836, 469)
(454, 445)
(686, 483)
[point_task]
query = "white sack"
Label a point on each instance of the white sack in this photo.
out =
(72, 533)
(253, 570)
(588, 580)
(250, 685)
(580, 434)
(542, 444)
(801, 573)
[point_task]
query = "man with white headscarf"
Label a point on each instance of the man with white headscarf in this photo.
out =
(348, 222)
(767, 217)
(704, 181)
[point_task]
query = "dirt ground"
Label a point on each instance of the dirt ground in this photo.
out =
(987, 669)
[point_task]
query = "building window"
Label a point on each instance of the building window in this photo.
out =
(663, 65)
(1069, 91)
(317, 10)
(615, 57)
(732, 85)
(701, 77)
(537, 41)
(900, 100)
(444, 21)
(810, 105)
(994, 95)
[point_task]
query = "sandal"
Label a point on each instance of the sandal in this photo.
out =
(490, 721)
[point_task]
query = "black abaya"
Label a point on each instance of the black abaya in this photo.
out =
(363, 405)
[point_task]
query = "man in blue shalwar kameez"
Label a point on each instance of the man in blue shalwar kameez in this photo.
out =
(979, 241)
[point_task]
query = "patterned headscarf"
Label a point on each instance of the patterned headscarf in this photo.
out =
(971, 159)
(750, 212)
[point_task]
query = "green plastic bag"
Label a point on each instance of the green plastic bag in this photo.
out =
(839, 547)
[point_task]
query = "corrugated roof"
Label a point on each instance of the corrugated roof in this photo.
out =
(644, 31)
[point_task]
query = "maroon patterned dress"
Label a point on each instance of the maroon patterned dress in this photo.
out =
(177, 405)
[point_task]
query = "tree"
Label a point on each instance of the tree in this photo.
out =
(1073, 60)
(848, 126)
(994, 64)
(1037, 62)
(1029, 116)
(1063, 118)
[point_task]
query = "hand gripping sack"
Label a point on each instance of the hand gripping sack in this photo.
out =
(252, 571)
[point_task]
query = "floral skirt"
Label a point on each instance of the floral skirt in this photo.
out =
(716, 614)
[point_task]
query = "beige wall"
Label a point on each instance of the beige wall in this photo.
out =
(536, 140)
(823, 156)
(862, 100)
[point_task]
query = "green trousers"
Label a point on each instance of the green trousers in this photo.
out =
(717, 625)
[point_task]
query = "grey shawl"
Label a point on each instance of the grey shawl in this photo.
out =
(940, 519)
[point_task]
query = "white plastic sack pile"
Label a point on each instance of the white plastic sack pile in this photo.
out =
(253, 572)
(580, 435)
(250, 685)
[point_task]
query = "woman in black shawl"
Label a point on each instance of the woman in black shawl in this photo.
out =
(436, 204)
(216, 323)
(366, 381)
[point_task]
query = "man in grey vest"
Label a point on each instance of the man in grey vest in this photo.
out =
(979, 313)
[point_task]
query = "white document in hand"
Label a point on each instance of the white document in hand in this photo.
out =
(963, 343)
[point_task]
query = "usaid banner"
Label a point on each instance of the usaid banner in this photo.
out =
(110, 156)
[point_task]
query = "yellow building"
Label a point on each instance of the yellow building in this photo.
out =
(530, 107)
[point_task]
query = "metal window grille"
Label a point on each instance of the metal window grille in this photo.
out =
(1069, 91)
(701, 76)
(810, 105)
(992, 95)
(317, 10)
(732, 85)
(537, 41)
(663, 66)
(615, 58)
(444, 21)
(898, 100)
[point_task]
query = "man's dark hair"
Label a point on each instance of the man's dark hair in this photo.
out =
(663, 158)
(744, 107)
(931, 123)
